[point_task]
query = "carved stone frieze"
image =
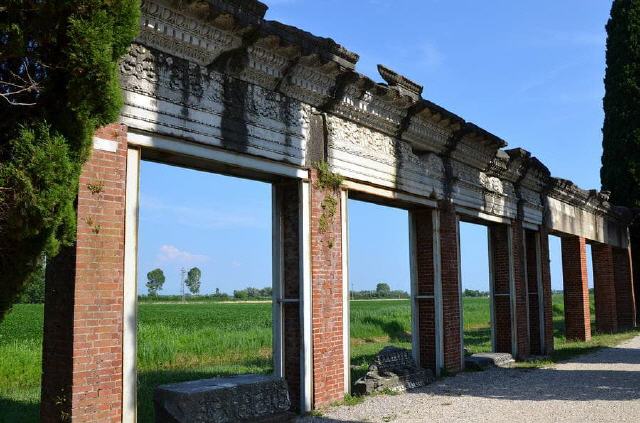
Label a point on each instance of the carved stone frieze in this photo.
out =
(465, 173)
(358, 150)
(169, 30)
(195, 101)
(425, 135)
(310, 82)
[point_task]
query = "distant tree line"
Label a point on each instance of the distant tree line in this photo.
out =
(383, 290)
(253, 294)
(474, 293)
(193, 281)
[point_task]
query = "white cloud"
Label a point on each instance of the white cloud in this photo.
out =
(172, 254)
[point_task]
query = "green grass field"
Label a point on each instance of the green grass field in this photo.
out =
(180, 342)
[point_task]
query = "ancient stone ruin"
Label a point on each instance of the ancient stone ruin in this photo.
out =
(214, 85)
(482, 361)
(251, 398)
(395, 370)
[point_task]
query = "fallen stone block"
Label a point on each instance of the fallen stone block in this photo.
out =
(248, 398)
(482, 361)
(393, 369)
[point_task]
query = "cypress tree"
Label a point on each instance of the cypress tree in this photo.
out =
(620, 172)
(58, 83)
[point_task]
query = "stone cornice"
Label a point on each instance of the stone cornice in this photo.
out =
(593, 201)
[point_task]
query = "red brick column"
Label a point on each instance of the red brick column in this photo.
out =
(635, 267)
(545, 269)
(531, 253)
(520, 285)
(577, 316)
(452, 338)
(499, 237)
(625, 296)
(288, 200)
(424, 290)
(326, 279)
(605, 289)
(82, 350)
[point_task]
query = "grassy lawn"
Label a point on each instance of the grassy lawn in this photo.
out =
(180, 342)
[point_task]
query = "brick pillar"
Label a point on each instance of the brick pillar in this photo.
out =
(605, 289)
(625, 296)
(545, 270)
(520, 292)
(533, 274)
(500, 270)
(82, 345)
(424, 293)
(452, 338)
(287, 199)
(327, 295)
(635, 267)
(577, 316)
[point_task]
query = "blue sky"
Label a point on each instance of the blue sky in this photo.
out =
(530, 72)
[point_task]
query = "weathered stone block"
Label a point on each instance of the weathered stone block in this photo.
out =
(249, 398)
(482, 361)
(393, 369)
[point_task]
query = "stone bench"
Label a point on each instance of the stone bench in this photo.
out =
(247, 398)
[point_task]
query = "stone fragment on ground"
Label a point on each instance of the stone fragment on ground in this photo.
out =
(482, 361)
(393, 369)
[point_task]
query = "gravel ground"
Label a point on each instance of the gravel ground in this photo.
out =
(600, 387)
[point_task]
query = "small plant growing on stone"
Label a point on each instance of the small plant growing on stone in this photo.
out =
(96, 187)
(95, 227)
(329, 207)
(326, 178)
(328, 182)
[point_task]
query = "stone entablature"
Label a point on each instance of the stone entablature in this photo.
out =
(216, 72)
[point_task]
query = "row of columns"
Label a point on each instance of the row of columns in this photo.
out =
(613, 288)
(89, 333)
(520, 287)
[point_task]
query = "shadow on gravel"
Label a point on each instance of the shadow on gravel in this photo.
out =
(542, 385)
(619, 356)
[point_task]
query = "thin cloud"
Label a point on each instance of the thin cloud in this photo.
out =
(172, 254)
(544, 79)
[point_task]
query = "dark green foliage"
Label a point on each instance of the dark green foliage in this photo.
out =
(33, 292)
(620, 171)
(155, 280)
(58, 83)
(193, 280)
(39, 216)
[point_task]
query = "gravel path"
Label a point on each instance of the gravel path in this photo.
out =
(600, 387)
